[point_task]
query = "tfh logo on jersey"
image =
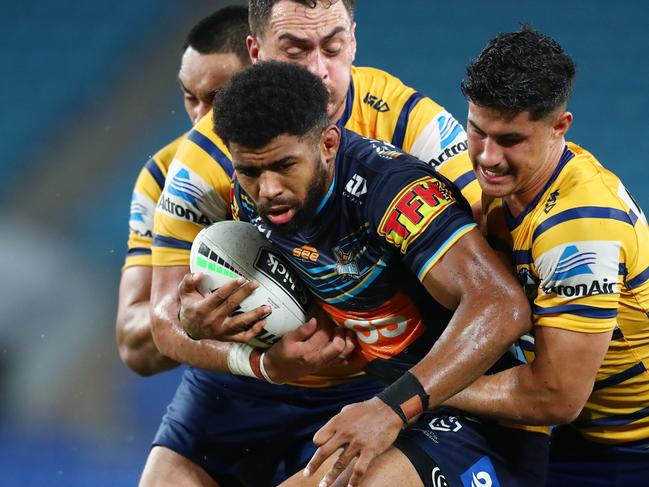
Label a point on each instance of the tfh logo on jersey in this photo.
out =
(410, 213)
(578, 269)
(480, 474)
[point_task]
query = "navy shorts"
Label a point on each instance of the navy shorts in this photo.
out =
(451, 449)
(575, 461)
(245, 432)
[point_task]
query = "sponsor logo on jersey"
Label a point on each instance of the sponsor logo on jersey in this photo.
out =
(356, 186)
(449, 153)
(449, 129)
(551, 202)
(306, 253)
(274, 267)
(384, 149)
(412, 210)
(141, 221)
(438, 478)
(181, 186)
(480, 474)
(375, 102)
(346, 265)
(167, 205)
(580, 269)
(181, 198)
(573, 263)
(447, 424)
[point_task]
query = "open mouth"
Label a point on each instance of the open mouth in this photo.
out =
(280, 215)
(492, 176)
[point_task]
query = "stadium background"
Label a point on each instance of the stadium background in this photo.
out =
(89, 92)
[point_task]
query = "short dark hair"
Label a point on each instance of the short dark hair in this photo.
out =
(260, 11)
(521, 71)
(222, 32)
(269, 99)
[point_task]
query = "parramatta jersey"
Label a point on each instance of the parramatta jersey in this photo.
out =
(581, 250)
(147, 191)
(385, 221)
(378, 105)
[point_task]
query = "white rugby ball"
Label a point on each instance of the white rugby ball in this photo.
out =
(229, 249)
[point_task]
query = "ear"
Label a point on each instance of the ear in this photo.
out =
(253, 48)
(562, 124)
(353, 41)
(329, 142)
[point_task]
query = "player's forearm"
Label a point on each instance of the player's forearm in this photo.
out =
(479, 333)
(173, 342)
(135, 343)
(517, 395)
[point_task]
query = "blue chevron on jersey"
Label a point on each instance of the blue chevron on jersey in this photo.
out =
(573, 263)
(181, 186)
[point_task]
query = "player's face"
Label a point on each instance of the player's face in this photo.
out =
(514, 156)
(201, 75)
(321, 39)
(288, 178)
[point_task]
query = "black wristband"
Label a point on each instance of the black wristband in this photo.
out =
(406, 396)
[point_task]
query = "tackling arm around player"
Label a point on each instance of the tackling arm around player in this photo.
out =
(579, 244)
(411, 253)
(320, 36)
(212, 52)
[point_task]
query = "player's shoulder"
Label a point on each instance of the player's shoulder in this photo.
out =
(165, 155)
(584, 182)
(384, 91)
(373, 155)
(202, 138)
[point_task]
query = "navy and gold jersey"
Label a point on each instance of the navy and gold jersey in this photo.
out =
(147, 191)
(581, 250)
(378, 105)
(386, 220)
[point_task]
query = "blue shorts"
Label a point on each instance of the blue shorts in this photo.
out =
(451, 449)
(575, 461)
(243, 431)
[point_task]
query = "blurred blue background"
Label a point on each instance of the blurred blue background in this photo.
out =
(89, 92)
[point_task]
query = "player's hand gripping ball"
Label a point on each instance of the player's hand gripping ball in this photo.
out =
(229, 249)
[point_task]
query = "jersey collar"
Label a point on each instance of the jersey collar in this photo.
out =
(512, 222)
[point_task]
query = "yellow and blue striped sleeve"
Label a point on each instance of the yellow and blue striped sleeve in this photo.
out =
(196, 194)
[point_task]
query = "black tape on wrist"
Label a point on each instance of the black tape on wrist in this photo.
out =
(406, 396)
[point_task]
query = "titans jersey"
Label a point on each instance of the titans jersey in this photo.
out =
(386, 220)
(581, 250)
(378, 105)
(147, 191)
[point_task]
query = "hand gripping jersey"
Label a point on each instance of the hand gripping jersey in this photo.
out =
(581, 250)
(378, 105)
(386, 220)
(147, 191)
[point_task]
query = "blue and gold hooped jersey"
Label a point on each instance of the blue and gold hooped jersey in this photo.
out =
(147, 191)
(581, 251)
(386, 220)
(378, 105)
